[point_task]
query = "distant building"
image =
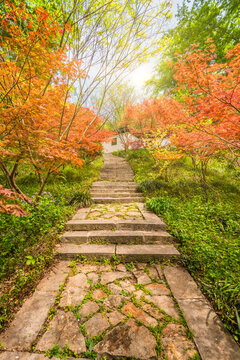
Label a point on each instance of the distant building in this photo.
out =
(121, 140)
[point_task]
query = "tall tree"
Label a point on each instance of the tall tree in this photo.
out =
(196, 23)
(35, 113)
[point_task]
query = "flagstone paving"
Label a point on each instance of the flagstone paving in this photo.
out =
(110, 309)
(115, 315)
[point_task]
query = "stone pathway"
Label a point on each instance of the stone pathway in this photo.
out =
(111, 309)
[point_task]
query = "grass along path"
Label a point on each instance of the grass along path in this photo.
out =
(27, 243)
(207, 231)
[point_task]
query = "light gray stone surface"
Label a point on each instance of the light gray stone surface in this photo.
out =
(28, 322)
(158, 289)
(165, 303)
(212, 340)
(126, 340)
(93, 277)
(146, 252)
(96, 325)
(115, 289)
(24, 356)
(115, 317)
(90, 251)
(113, 301)
(72, 297)
(54, 278)
(108, 277)
(142, 277)
(75, 290)
(131, 309)
(127, 285)
(153, 272)
(88, 308)
(63, 330)
(182, 284)
(175, 343)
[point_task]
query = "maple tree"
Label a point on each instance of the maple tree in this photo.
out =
(9, 202)
(39, 124)
(157, 123)
(210, 96)
(195, 22)
(200, 118)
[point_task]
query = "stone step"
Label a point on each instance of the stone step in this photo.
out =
(123, 200)
(121, 252)
(114, 183)
(112, 194)
(117, 237)
(120, 170)
(116, 178)
(102, 190)
(102, 224)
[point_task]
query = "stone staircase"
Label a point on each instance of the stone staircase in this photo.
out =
(112, 192)
(118, 224)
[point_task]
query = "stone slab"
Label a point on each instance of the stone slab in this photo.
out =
(93, 277)
(28, 322)
(56, 277)
(113, 301)
(114, 200)
(113, 194)
(181, 283)
(88, 308)
(7, 355)
(175, 343)
(139, 225)
(212, 340)
(126, 341)
(142, 277)
(146, 252)
(139, 314)
(96, 325)
(165, 303)
(113, 184)
(115, 317)
(63, 330)
(108, 277)
(86, 225)
(90, 251)
(99, 294)
(158, 289)
(81, 214)
(72, 297)
(75, 290)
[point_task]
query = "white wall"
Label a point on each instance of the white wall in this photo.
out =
(108, 147)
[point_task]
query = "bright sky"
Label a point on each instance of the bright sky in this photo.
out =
(145, 71)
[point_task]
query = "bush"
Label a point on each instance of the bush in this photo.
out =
(27, 243)
(207, 229)
(209, 236)
(19, 234)
(151, 185)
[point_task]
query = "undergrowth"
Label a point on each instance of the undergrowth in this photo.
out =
(27, 242)
(207, 229)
